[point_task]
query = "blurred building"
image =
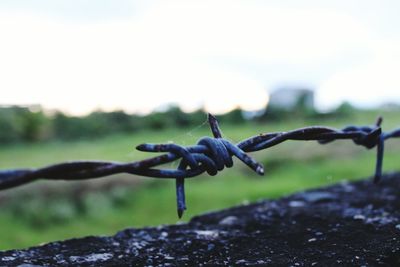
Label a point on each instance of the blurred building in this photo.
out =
(292, 98)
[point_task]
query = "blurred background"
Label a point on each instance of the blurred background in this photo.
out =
(92, 79)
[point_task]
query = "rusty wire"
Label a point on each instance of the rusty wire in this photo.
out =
(208, 155)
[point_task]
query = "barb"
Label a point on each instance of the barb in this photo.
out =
(208, 155)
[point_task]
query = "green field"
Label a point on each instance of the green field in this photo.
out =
(46, 211)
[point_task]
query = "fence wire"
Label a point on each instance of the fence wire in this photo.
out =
(208, 155)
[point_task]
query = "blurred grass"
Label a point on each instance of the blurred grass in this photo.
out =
(46, 211)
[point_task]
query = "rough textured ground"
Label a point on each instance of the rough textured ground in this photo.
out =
(345, 224)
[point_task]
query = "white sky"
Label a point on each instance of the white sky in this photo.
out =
(79, 55)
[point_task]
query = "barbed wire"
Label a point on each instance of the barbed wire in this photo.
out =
(209, 155)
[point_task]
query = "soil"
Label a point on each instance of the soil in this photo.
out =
(346, 224)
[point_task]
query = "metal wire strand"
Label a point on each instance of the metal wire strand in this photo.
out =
(209, 155)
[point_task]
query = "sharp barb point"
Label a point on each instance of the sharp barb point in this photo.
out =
(260, 170)
(211, 116)
(180, 213)
(379, 121)
(140, 147)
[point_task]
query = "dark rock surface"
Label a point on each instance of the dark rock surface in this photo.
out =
(345, 224)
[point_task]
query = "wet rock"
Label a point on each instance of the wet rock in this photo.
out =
(230, 220)
(315, 197)
(346, 224)
(297, 204)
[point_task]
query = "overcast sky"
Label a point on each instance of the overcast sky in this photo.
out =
(80, 55)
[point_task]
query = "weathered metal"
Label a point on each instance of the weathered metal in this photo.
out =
(208, 155)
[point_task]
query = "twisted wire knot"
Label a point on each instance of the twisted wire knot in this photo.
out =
(366, 136)
(209, 155)
(369, 136)
(218, 153)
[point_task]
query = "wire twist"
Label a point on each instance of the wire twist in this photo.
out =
(209, 155)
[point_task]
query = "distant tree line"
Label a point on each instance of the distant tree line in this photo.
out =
(24, 124)
(27, 124)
